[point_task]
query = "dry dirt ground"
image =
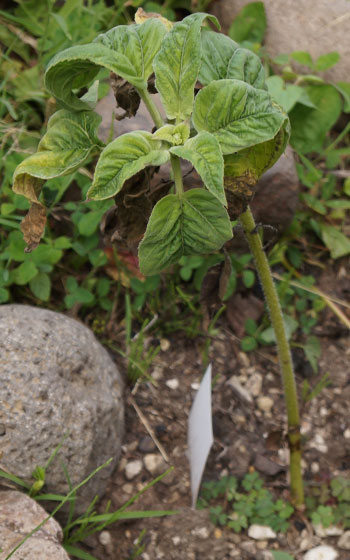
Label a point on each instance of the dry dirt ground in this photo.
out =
(247, 436)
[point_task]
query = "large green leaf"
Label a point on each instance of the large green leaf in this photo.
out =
(177, 64)
(222, 58)
(123, 158)
(310, 126)
(138, 42)
(193, 224)
(127, 50)
(243, 169)
(203, 151)
(237, 114)
(68, 142)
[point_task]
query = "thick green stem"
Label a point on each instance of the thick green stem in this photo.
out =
(175, 164)
(151, 106)
(158, 121)
(286, 364)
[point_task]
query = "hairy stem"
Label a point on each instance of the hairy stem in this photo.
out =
(285, 359)
(151, 106)
(158, 121)
(175, 164)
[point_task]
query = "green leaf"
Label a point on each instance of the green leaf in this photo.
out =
(24, 273)
(122, 159)
(237, 114)
(203, 151)
(67, 144)
(249, 24)
(279, 555)
(335, 241)
(344, 88)
(177, 64)
(138, 42)
(303, 57)
(40, 285)
(310, 126)
(312, 350)
(193, 224)
(222, 58)
(286, 95)
(89, 222)
(126, 50)
(326, 61)
(252, 162)
(174, 134)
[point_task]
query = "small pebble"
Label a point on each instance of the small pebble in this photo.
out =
(347, 433)
(146, 445)
(265, 404)
(254, 384)
(218, 533)
(261, 545)
(331, 531)
(315, 467)
(172, 383)
(261, 532)
(176, 540)
(164, 344)
(105, 538)
(202, 532)
(344, 541)
(239, 390)
(133, 468)
(321, 553)
(154, 463)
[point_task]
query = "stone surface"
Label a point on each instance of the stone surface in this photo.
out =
(155, 463)
(133, 468)
(344, 541)
(19, 515)
(56, 379)
(265, 404)
(321, 553)
(296, 25)
(261, 532)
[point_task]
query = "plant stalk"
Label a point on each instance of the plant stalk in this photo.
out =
(158, 121)
(151, 106)
(285, 358)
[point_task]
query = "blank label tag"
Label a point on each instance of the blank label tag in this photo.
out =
(200, 433)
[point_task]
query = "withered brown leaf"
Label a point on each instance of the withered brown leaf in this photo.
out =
(33, 226)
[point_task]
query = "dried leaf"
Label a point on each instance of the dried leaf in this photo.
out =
(141, 16)
(126, 96)
(33, 226)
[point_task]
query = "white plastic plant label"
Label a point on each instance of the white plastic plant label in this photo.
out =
(200, 433)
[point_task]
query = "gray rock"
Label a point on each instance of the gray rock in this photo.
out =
(297, 26)
(19, 515)
(56, 379)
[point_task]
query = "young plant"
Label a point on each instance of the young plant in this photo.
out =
(219, 117)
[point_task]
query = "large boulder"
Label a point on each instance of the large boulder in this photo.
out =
(316, 26)
(57, 379)
(19, 515)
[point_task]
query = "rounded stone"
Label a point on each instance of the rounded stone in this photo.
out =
(19, 515)
(58, 385)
